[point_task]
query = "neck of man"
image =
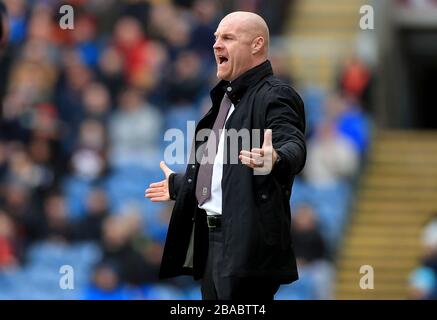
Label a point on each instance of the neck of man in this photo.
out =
(255, 64)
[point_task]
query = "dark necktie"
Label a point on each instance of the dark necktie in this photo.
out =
(204, 176)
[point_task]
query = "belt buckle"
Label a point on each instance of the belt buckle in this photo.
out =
(210, 223)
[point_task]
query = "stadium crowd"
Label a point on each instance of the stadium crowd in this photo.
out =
(82, 128)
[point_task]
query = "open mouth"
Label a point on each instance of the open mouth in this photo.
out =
(222, 59)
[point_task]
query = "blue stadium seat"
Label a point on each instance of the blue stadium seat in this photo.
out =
(161, 292)
(42, 273)
(313, 98)
(76, 191)
(193, 293)
(304, 289)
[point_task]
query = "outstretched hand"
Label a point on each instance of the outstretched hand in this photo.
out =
(260, 159)
(158, 191)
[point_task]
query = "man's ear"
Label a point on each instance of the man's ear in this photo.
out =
(257, 44)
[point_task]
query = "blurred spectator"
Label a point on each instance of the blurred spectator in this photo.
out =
(89, 228)
(89, 156)
(140, 55)
(41, 154)
(22, 170)
(132, 45)
(33, 73)
(331, 158)
(134, 129)
(110, 71)
(17, 201)
(176, 35)
(14, 123)
(56, 227)
(76, 78)
(278, 58)
(308, 242)
(429, 242)
(355, 81)
(97, 102)
(312, 255)
(429, 236)
(422, 283)
(139, 10)
(84, 38)
(44, 122)
(106, 285)
(206, 20)
(185, 81)
(7, 246)
(118, 233)
(17, 15)
(423, 280)
(41, 25)
(349, 119)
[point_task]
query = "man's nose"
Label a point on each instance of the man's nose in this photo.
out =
(217, 44)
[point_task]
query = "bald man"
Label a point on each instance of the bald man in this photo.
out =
(230, 225)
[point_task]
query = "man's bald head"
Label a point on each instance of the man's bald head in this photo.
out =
(242, 42)
(250, 24)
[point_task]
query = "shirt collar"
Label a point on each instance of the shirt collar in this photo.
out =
(238, 87)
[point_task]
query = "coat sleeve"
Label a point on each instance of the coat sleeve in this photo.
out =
(285, 115)
(175, 181)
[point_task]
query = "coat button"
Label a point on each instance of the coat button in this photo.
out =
(264, 196)
(190, 180)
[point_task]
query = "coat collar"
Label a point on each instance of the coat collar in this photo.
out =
(238, 87)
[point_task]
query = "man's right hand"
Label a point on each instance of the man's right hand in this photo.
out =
(158, 191)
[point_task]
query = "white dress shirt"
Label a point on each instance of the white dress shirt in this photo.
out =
(213, 206)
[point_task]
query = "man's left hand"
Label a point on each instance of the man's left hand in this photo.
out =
(261, 159)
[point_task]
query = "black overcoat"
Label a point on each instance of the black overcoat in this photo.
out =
(255, 208)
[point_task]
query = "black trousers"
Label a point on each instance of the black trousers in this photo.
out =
(216, 287)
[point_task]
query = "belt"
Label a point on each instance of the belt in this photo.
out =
(214, 221)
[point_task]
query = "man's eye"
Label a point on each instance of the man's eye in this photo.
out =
(223, 38)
